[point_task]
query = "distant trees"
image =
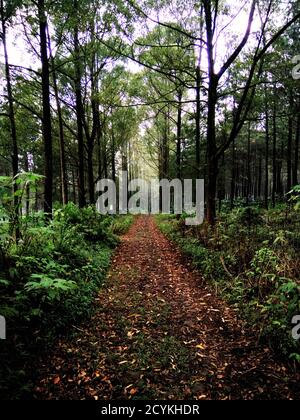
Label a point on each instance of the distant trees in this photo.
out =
(187, 96)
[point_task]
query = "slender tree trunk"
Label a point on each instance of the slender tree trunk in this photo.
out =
(27, 195)
(249, 165)
(13, 129)
(267, 158)
(297, 144)
(105, 163)
(179, 135)
(166, 148)
(100, 166)
(212, 162)
(279, 172)
(47, 124)
(233, 177)
(198, 120)
(289, 155)
(91, 138)
(79, 111)
(274, 189)
(62, 153)
(113, 154)
(91, 181)
(259, 183)
(74, 185)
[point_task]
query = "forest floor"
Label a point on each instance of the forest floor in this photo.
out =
(159, 332)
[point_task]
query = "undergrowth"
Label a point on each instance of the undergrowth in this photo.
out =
(48, 282)
(251, 257)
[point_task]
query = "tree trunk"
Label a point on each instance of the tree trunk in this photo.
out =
(179, 135)
(198, 121)
(297, 144)
(113, 155)
(13, 129)
(267, 159)
(289, 155)
(279, 172)
(212, 161)
(62, 153)
(233, 177)
(248, 192)
(27, 195)
(79, 112)
(47, 124)
(274, 191)
(259, 182)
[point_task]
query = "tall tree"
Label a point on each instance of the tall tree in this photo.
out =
(46, 122)
(5, 15)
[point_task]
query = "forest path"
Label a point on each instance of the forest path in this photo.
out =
(160, 333)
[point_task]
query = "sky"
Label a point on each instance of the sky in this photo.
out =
(20, 56)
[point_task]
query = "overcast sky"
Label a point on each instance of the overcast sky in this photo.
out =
(19, 55)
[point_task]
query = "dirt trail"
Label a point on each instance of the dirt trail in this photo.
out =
(160, 333)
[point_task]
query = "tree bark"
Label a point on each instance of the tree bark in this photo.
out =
(79, 113)
(267, 160)
(62, 153)
(297, 144)
(179, 135)
(198, 120)
(233, 177)
(249, 166)
(274, 190)
(13, 129)
(47, 124)
(289, 155)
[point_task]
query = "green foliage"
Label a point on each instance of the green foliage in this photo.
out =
(295, 197)
(252, 262)
(122, 224)
(251, 216)
(48, 288)
(50, 278)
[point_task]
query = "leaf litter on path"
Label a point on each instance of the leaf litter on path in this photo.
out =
(159, 332)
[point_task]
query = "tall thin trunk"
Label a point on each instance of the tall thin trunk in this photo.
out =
(179, 135)
(212, 160)
(259, 182)
(91, 181)
(113, 154)
(62, 153)
(105, 163)
(91, 138)
(79, 113)
(267, 154)
(248, 192)
(74, 185)
(47, 124)
(289, 155)
(198, 120)
(279, 172)
(297, 144)
(274, 191)
(13, 129)
(233, 176)
(27, 195)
